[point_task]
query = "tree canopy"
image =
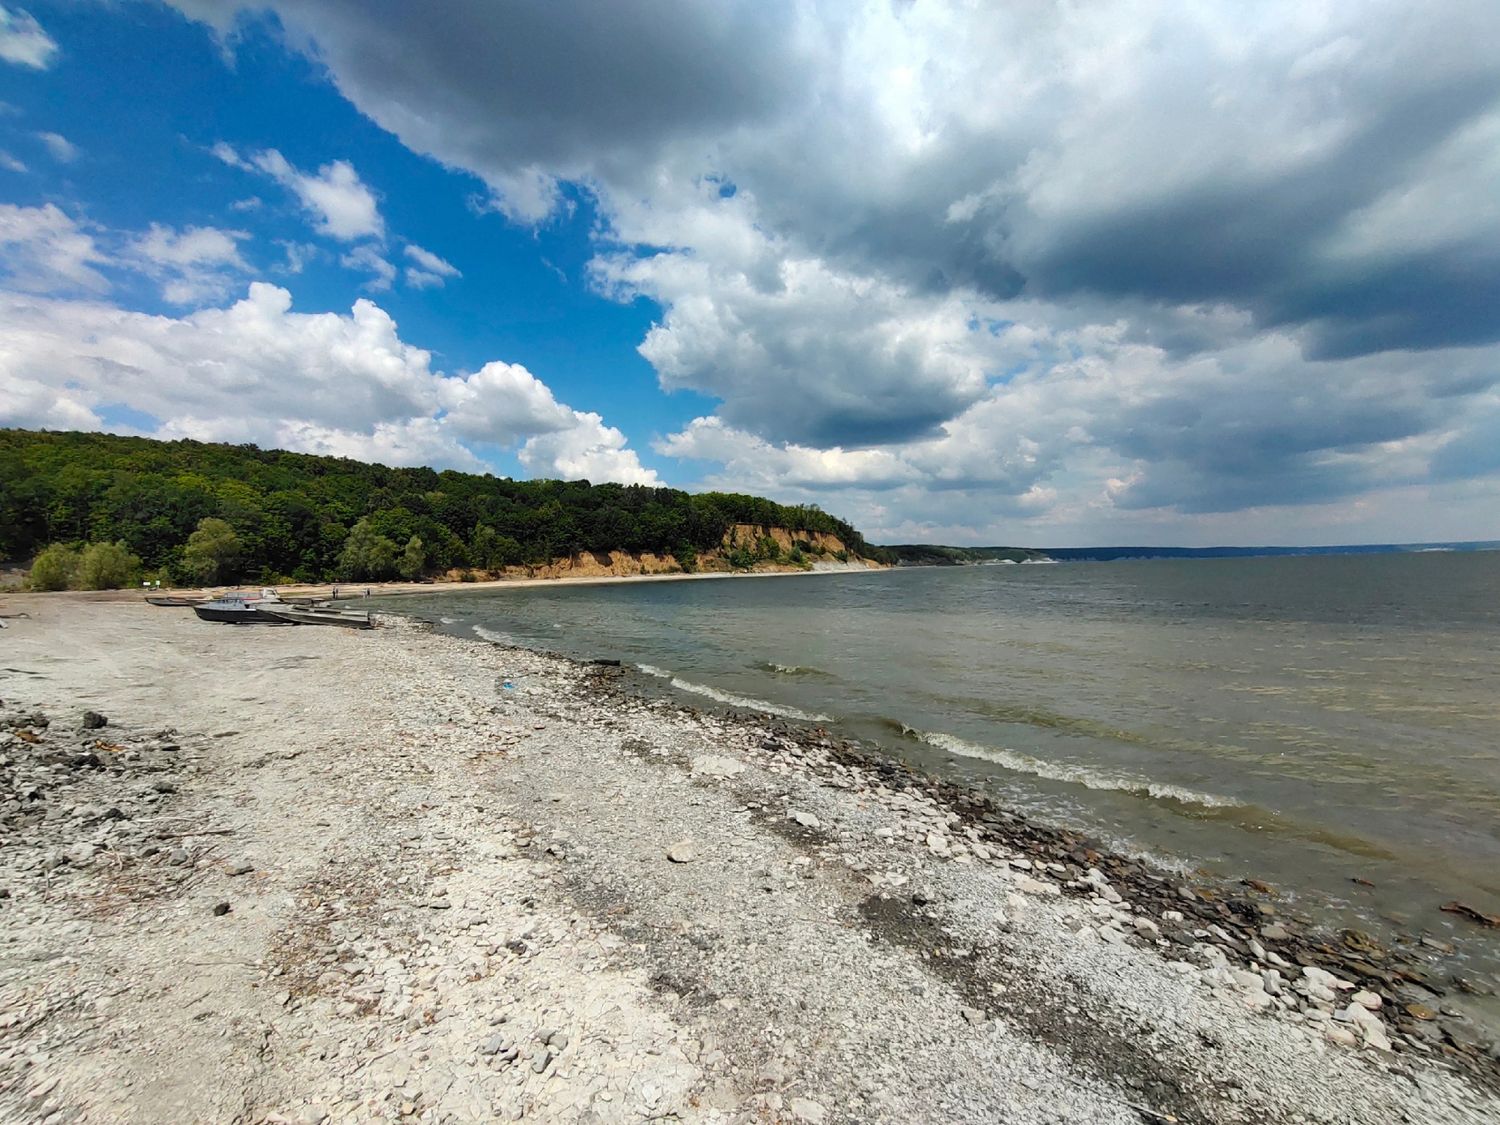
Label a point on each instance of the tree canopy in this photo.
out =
(292, 515)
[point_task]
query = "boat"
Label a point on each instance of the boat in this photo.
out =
(174, 600)
(317, 615)
(240, 608)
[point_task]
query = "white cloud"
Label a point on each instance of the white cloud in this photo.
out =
(369, 260)
(45, 251)
(502, 403)
(429, 271)
(587, 450)
(23, 42)
(258, 371)
(10, 163)
(298, 255)
(345, 208)
(61, 149)
(193, 265)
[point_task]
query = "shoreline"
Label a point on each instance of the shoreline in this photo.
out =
(1243, 910)
(644, 908)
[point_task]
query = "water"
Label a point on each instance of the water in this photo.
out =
(1307, 721)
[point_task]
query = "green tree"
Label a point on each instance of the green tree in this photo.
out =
(55, 568)
(107, 566)
(413, 560)
(367, 554)
(213, 551)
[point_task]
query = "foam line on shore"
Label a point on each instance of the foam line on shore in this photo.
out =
(733, 700)
(1076, 775)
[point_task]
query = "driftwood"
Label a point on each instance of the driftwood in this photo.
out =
(1473, 914)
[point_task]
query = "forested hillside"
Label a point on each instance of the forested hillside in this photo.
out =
(194, 511)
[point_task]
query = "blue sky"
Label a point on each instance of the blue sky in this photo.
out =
(1047, 276)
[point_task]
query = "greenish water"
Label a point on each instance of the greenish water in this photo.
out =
(1306, 720)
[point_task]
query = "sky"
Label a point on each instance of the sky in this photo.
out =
(1045, 273)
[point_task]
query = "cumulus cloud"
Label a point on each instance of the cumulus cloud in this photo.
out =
(1070, 261)
(258, 371)
(23, 42)
(585, 450)
(342, 204)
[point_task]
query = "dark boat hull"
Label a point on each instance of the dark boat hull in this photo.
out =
(247, 615)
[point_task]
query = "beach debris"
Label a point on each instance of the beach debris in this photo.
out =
(1473, 914)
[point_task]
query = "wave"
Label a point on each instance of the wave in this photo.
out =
(447, 621)
(1071, 774)
(494, 636)
(750, 703)
(790, 669)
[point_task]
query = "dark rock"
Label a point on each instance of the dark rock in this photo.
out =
(92, 720)
(221, 909)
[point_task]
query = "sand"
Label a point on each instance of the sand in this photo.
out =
(449, 900)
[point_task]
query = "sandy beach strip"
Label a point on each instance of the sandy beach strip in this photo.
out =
(308, 875)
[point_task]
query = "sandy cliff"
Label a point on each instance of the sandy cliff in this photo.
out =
(816, 547)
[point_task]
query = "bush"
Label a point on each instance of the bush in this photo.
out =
(107, 566)
(687, 558)
(56, 568)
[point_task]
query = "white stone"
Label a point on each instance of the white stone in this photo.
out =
(716, 765)
(805, 1109)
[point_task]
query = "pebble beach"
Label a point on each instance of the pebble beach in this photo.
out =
(308, 875)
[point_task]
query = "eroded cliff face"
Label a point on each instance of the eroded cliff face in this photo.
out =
(819, 550)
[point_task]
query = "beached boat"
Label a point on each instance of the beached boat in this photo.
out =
(240, 608)
(316, 615)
